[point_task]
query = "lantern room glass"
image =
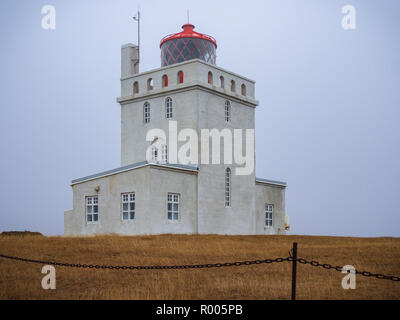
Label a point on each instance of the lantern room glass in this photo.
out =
(184, 49)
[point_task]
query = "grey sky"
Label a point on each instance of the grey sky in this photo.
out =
(327, 124)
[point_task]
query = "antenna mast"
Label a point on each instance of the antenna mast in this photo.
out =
(137, 18)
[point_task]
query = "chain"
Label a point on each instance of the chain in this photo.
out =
(204, 266)
(339, 268)
(153, 267)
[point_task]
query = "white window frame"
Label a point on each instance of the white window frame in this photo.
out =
(154, 153)
(128, 199)
(146, 113)
(269, 215)
(92, 202)
(228, 111)
(173, 211)
(168, 108)
(228, 187)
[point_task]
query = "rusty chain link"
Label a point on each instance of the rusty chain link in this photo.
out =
(203, 266)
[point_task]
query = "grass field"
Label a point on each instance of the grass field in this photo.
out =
(21, 280)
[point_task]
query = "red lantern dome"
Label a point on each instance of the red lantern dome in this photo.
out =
(187, 45)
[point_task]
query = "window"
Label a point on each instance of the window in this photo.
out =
(233, 86)
(222, 82)
(227, 187)
(269, 212)
(164, 81)
(128, 206)
(150, 84)
(243, 89)
(210, 77)
(136, 87)
(154, 154)
(92, 209)
(146, 112)
(180, 77)
(168, 108)
(164, 154)
(227, 111)
(173, 206)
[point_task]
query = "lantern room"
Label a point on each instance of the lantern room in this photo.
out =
(187, 45)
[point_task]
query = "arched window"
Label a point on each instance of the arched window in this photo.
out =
(243, 89)
(146, 112)
(149, 84)
(227, 187)
(164, 81)
(222, 82)
(210, 77)
(227, 111)
(135, 87)
(233, 86)
(168, 108)
(180, 77)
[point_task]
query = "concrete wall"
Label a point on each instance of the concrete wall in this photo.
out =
(163, 182)
(186, 108)
(270, 194)
(214, 217)
(134, 130)
(151, 186)
(129, 60)
(195, 71)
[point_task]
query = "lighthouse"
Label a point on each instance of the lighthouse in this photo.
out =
(153, 193)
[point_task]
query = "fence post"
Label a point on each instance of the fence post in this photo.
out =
(294, 255)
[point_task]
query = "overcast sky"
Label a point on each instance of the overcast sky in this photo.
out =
(327, 124)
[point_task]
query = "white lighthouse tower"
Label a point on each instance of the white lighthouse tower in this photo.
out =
(161, 195)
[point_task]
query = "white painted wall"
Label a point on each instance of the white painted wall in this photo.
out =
(151, 186)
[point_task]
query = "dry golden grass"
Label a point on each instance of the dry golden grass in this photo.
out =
(21, 280)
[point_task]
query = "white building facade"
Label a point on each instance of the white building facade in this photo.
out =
(160, 196)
